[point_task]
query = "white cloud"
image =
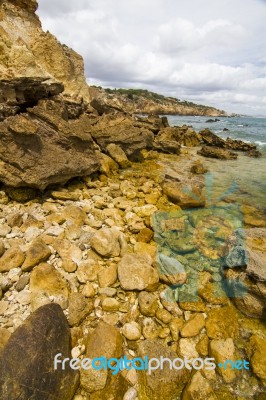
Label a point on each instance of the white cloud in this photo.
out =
(210, 51)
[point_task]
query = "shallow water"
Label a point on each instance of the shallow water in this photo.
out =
(246, 176)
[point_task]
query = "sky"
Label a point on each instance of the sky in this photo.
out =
(211, 52)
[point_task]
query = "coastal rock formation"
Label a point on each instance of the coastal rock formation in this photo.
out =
(27, 51)
(42, 147)
(119, 129)
(216, 152)
(140, 101)
(170, 139)
(27, 360)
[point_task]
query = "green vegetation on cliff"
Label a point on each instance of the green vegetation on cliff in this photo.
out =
(144, 101)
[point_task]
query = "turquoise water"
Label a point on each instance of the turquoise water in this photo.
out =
(246, 173)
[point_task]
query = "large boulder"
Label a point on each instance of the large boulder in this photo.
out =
(170, 139)
(216, 152)
(119, 129)
(210, 139)
(42, 147)
(27, 360)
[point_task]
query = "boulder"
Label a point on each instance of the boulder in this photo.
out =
(216, 152)
(64, 149)
(163, 383)
(135, 272)
(47, 285)
(187, 193)
(27, 360)
(119, 129)
(210, 139)
(104, 341)
(239, 145)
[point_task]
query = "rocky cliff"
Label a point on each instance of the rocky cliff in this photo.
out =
(141, 101)
(27, 51)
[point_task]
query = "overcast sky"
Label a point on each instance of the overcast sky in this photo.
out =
(211, 52)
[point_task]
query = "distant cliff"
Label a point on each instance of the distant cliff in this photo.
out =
(144, 102)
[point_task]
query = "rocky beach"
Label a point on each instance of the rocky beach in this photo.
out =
(110, 243)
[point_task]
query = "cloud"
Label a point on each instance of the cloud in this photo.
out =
(212, 52)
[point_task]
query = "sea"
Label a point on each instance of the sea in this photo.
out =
(245, 176)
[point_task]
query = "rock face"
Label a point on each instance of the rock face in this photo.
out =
(27, 360)
(27, 51)
(42, 147)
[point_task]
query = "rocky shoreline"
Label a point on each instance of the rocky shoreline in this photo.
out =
(109, 246)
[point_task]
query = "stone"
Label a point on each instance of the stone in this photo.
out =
(148, 304)
(215, 152)
(3, 306)
(150, 329)
(47, 285)
(187, 348)
(186, 194)
(131, 394)
(163, 383)
(108, 166)
(222, 323)
(136, 273)
(64, 149)
(37, 253)
(198, 389)
(21, 195)
(14, 219)
(171, 271)
(4, 338)
(256, 352)
(2, 248)
(88, 271)
(5, 229)
(35, 343)
(70, 254)
(108, 276)
(145, 211)
(132, 331)
(175, 326)
(202, 346)
(164, 316)
(198, 168)
(193, 326)
(88, 290)
(75, 215)
(223, 350)
(106, 242)
(79, 308)
(210, 139)
(104, 341)
(118, 129)
(145, 235)
(118, 155)
(12, 258)
(110, 304)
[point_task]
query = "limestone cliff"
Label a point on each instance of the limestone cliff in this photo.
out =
(27, 51)
(140, 101)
